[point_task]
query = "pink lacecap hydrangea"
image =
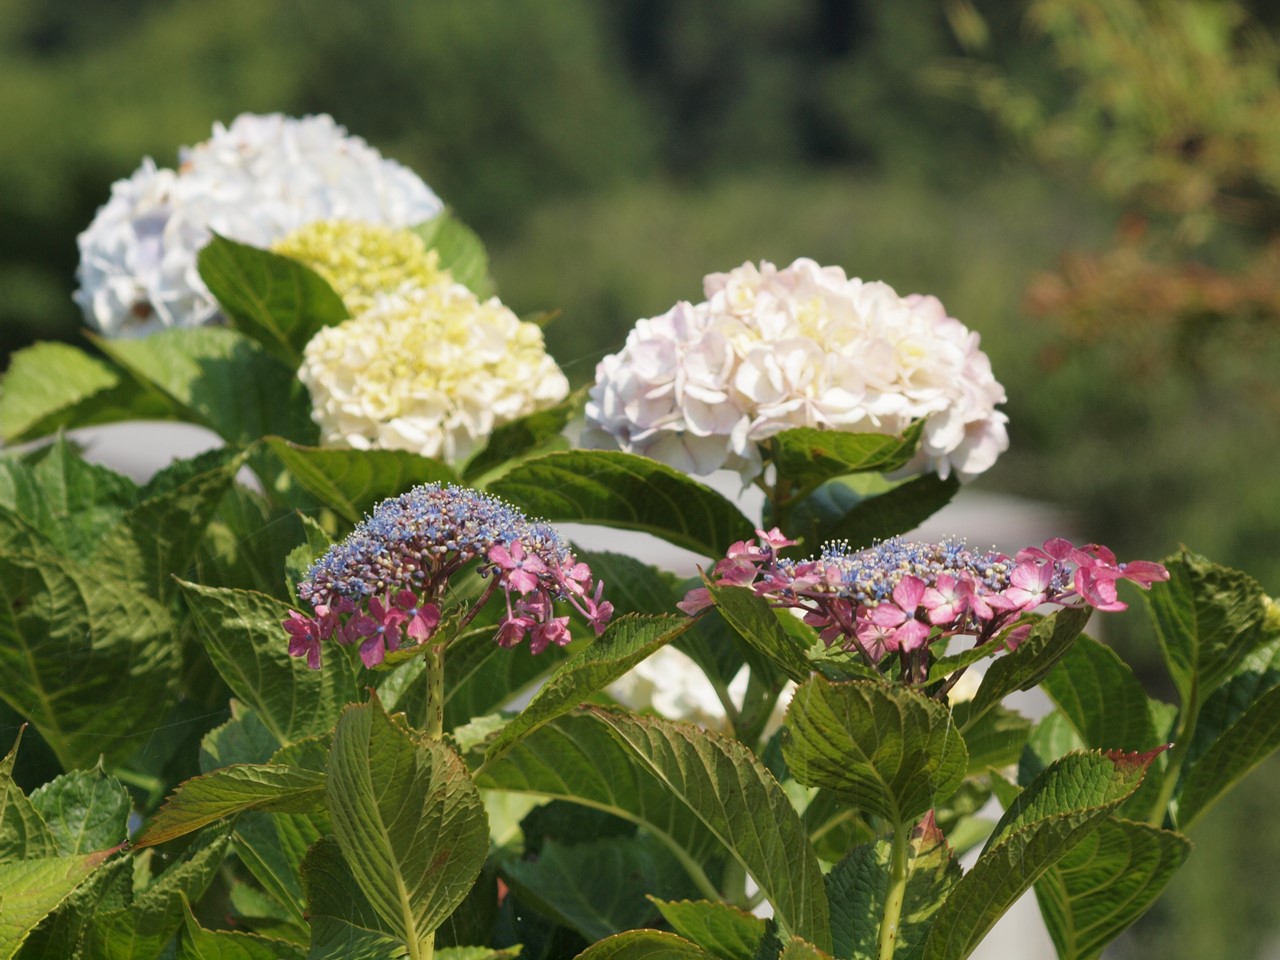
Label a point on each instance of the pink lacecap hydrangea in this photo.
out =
(901, 596)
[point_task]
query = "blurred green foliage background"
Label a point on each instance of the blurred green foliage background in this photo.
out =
(1093, 187)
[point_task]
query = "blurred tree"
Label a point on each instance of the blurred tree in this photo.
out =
(497, 103)
(1165, 343)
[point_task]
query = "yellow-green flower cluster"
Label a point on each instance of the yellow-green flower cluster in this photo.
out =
(430, 369)
(363, 260)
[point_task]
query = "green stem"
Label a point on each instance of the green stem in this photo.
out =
(896, 895)
(424, 948)
(434, 724)
(1177, 756)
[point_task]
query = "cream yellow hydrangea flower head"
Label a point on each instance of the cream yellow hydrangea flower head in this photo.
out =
(362, 260)
(428, 369)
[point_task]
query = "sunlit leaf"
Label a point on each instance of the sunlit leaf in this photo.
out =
(1102, 698)
(408, 818)
(1208, 618)
(220, 379)
(241, 631)
(230, 790)
(33, 888)
(460, 252)
(1062, 806)
(276, 300)
(888, 750)
(623, 490)
(352, 482)
(719, 928)
(740, 802)
(806, 455)
(1105, 882)
(625, 642)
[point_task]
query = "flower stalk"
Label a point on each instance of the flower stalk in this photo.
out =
(891, 921)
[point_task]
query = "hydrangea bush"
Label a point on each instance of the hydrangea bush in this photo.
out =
(340, 688)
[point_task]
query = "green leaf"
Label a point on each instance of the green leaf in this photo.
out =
(996, 739)
(85, 810)
(302, 557)
(46, 385)
(1238, 750)
(577, 758)
(242, 739)
(343, 924)
(1207, 618)
(626, 491)
(806, 456)
(230, 790)
(480, 677)
(739, 801)
(720, 652)
(757, 623)
(631, 586)
(197, 943)
(62, 932)
(276, 300)
(241, 631)
(23, 833)
(859, 885)
(160, 535)
(85, 657)
(875, 518)
(719, 928)
(1023, 668)
(625, 642)
(408, 818)
(32, 889)
(1102, 698)
(598, 888)
(645, 945)
(220, 379)
(272, 846)
(1053, 737)
(1061, 807)
(460, 252)
(141, 930)
(66, 498)
(525, 435)
(888, 750)
(1258, 673)
(1105, 882)
(351, 482)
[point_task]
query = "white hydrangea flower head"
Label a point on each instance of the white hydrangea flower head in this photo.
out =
(253, 181)
(702, 386)
(428, 369)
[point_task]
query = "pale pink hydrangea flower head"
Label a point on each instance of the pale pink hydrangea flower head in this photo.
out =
(702, 386)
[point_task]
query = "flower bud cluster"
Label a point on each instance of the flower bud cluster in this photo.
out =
(704, 385)
(252, 181)
(362, 261)
(900, 596)
(385, 581)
